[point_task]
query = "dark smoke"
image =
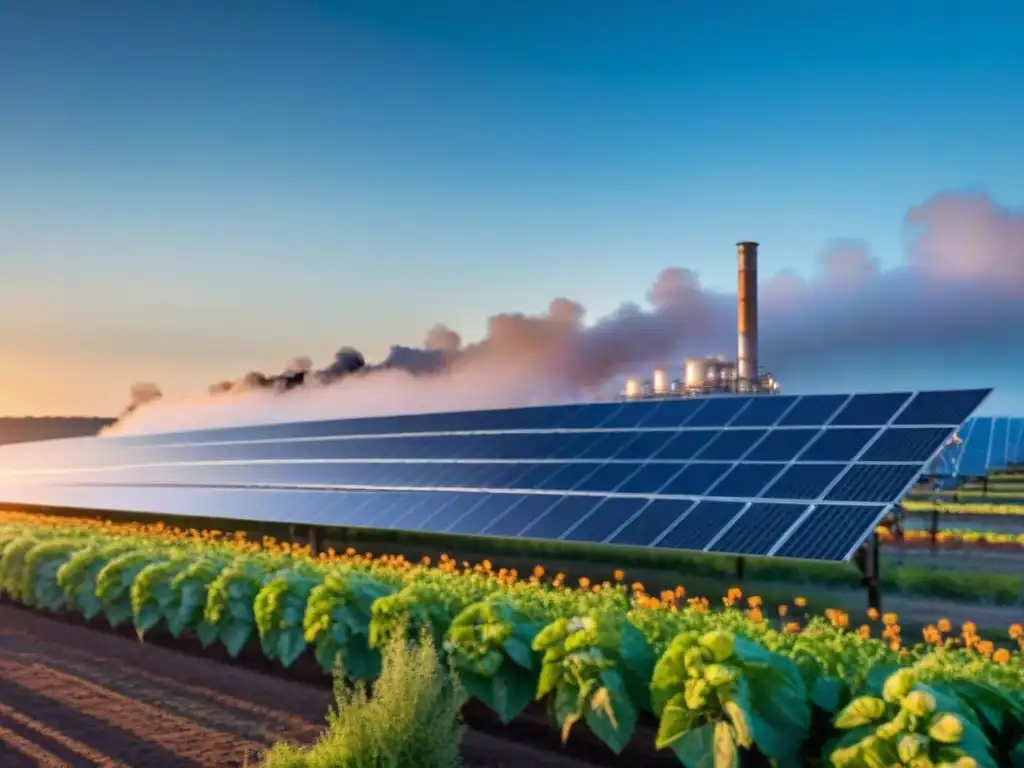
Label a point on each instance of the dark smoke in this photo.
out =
(960, 289)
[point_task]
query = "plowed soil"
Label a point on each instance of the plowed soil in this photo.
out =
(74, 696)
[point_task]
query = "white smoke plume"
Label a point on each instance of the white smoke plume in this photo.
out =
(961, 286)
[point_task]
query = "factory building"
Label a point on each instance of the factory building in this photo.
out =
(700, 376)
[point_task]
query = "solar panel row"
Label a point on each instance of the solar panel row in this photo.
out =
(988, 444)
(795, 530)
(926, 408)
(790, 476)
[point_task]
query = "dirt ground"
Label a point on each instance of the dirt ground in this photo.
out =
(70, 696)
(77, 697)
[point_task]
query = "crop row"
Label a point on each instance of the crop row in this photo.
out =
(726, 686)
(948, 505)
(957, 537)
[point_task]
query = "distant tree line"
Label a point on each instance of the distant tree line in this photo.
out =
(23, 430)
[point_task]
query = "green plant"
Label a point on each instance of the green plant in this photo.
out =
(410, 720)
(490, 644)
(717, 693)
(911, 724)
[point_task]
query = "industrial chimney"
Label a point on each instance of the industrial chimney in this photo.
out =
(746, 322)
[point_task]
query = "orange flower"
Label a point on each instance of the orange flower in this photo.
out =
(680, 592)
(584, 582)
(889, 619)
(969, 628)
(1002, 656)
(538, 571)
(1016, 631)
(944, 625)
(864, 631)
(783, 610)
(754, 601)
(734, 594)
(873, 614)
(792, 627)
(800, 602)
(755, 615)
(618, 575)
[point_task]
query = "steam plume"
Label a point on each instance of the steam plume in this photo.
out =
(961, 286)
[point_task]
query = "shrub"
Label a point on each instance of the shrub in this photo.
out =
(410, 719)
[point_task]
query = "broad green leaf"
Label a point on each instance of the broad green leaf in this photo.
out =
(512, 690)
(519, 652)
(359, 660)
(567, 708)
(206, 632)
(696, 748)
(610, 714)
(290, 645)
(826, 694)
(326, 653)
(668, 678)
(234, 635)
(676, 719)
(148, 618)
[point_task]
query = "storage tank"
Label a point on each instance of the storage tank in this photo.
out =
(660, 383)
(634, 387)
(695, 373)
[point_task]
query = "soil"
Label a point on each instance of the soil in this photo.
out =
(74, 696)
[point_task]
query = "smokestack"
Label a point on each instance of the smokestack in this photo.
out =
(746, 321)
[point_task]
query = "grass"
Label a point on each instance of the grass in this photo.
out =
(410, 719)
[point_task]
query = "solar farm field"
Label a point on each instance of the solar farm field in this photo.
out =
(674, 582)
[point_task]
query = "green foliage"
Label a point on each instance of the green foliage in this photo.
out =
(727, 688)
(491, 646)
(910, 724)
(280, 607)
(410, 721)
(230, 603)
(337, 622)
(590, 665)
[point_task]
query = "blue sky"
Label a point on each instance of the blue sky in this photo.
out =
(191, 190)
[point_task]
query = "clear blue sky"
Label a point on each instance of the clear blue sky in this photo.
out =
(192, 189)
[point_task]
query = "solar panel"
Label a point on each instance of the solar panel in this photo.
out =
(988, 444)
(788, 476)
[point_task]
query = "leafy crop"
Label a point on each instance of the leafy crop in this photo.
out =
(727, 687)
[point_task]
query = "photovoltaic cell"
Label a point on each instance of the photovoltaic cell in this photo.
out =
(763, 411)
(831, 532)
(561, 516)
(874, 482)
(700, 525)
(757, 530)
(838, 444)
(731, 444)
(605, 520)
(804, 481)
(718, 412)
(782, 445)
(905, 444)
(812, 411)
(656, 518)
(946, 408)
(870, 410)
(746, 480)
(529, 509)
(695, 479)
(504, 472)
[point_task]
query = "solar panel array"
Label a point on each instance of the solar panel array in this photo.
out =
(790, 476)
(988, 444)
